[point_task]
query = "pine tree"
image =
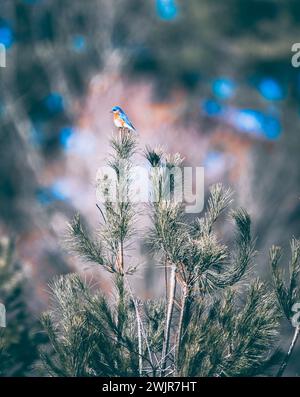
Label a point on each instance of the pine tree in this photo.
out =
(20, 339)
(216, 319)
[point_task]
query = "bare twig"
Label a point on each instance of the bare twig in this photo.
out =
(180, 324)
(169, 315)
(289, 353)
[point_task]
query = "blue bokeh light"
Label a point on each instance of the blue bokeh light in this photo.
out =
(44, 196)
(54, 102)
(224, 88)
(59, 190)
(270, 89)
(257, 123)
(212, 158)
(211, 107)
(50, 194)
(215, 162)
(6, 34)
(272, 127)
(78, 43)
(65, 136)
(166, 9)
(248, 120)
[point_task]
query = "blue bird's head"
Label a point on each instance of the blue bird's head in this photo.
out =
(117, 109)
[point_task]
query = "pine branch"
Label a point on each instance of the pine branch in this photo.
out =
(79, 242)
(218, 202)
(241, 258)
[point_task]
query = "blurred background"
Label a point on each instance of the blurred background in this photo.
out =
(208, 78)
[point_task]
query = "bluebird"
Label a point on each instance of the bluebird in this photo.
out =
(121, 119)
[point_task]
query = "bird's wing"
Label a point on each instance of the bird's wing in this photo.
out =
(125, 118)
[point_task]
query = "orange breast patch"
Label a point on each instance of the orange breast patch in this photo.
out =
(118, 121)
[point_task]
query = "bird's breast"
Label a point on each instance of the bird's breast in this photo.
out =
(118, 121)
